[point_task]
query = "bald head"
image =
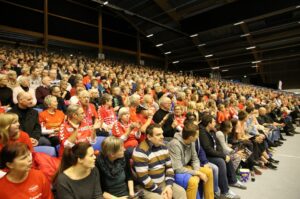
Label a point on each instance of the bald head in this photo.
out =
(24, 99)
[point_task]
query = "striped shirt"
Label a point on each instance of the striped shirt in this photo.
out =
(152, 166)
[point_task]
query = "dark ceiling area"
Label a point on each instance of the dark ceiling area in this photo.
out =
(229, 37)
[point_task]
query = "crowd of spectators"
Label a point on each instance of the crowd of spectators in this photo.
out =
(169, 135)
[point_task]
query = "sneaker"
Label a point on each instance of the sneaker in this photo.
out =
(230, 195)
(271, 166)
(273, 161)
(239, 185)
(257, 171)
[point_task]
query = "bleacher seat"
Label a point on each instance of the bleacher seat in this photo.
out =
(97, 145)
(46, 149)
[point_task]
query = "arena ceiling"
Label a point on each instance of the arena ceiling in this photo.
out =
(216, 34)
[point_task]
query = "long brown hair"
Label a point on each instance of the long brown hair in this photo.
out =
(71, 155)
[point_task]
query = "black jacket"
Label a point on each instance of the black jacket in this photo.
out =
(207, 143)
(159, 115)
(29, 121)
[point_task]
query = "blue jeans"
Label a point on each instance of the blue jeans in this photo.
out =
(226, 173)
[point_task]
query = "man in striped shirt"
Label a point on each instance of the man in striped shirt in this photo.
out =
(153, 167)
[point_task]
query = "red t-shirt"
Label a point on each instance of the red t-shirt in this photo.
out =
(90, 113)
(36, 186)
(107, 115)
(23, 138)
(119, 130)
(84, 134)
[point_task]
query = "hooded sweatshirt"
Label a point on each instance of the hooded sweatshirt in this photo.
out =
(183, 155)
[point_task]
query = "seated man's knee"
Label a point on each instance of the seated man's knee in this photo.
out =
(193, 182)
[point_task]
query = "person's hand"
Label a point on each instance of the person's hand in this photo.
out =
(203, 177)
(116, 108)
(134, 125)
(241, 154)
(227, 159)
(174, 124)
(97, 125)
(167, 192)
(123, 197)
(34, 141)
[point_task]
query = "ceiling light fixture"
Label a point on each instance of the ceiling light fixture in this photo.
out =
(238, 23)
(255, 62)
(210, 55)
(105, 3)
(245, 35)
(254, 66)
(158, 45)
(215, 68)
(149, 35)
(225, 70)
(194, 35)
(175, 62)
(251, 47)
(297, 6)
(167, 53)
(200, 45)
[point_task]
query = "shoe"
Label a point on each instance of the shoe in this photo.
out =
(283, 139)
(257, 171)
(230, 195)
(280, 142)
(289, 134)
(252, 176)
(273, 161)
(270, 166)
(239, 185)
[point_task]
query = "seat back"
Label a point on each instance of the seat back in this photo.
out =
(97, 145)
(46, 149)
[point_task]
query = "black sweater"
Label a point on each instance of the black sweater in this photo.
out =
(207, 143)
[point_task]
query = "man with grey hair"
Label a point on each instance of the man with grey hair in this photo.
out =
(24, 87)
(165, 118)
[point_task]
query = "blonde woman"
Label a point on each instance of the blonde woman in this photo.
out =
(10, 131)
(114, 169)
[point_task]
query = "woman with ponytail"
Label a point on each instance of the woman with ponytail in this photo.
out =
(77, 177)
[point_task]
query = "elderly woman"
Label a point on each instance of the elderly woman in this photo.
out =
(10, 131)
(75, 129)
(51, 119)
(126, 130)
(77, 176)
(21, 181)
(24, 86)
(114, 169)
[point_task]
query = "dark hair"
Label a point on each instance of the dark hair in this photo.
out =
(242, 115)
(249, 109)
(52, 88)
(206, 119)
(225, 125)
(149, 130)
(189, 129)
(12, 151)
(71, 155)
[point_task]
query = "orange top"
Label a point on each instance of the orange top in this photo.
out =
(35, 186)
(51, 121)
(23, 138)
(133, 116)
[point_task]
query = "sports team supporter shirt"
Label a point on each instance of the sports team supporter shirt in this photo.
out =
(23, 138)
(90, 114)
(51, 121)
(36, 186)
(107, 115)
(84, 134)
(119, 131)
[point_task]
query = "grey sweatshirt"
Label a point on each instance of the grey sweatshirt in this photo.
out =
(183, 155)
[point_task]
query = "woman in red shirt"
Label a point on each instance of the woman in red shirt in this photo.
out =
(21, 181)
(106, 113)
(126, 130)
(10, 131)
